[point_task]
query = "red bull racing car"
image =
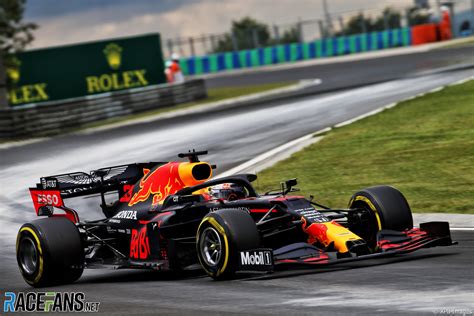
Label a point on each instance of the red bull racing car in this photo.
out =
(172, 215)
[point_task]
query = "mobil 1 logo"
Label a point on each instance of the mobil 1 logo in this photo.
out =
(256, 260)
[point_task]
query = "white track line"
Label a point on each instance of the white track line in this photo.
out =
(22, 142)
(391, 105)
(270, 154)
(461, 228)
(363, 116)
(279, 149)
(265, 156)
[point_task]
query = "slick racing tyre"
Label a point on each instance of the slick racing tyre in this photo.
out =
(49, 252)
(220, 237)
(382, 207)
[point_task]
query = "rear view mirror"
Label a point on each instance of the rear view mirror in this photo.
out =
(291, 183)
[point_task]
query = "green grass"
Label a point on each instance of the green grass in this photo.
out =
(424, 147)
(218, 94)
(213, 95)
(468, 41)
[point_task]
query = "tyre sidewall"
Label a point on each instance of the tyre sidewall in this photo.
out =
(237, 231)
(61, 253)
(30, 231)
(389, 206)
(225, 262)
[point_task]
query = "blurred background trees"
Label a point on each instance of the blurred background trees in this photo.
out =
(15, 35)
(245, 33)
(248, 32)
(389, 19)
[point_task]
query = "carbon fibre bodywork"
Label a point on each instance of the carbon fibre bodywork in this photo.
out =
(154, 222)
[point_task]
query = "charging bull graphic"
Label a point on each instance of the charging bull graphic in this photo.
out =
(168, 179)
(329, 232)
(316, 232)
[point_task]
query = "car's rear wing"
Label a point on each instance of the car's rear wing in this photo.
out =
(97, 181)
(52, 190)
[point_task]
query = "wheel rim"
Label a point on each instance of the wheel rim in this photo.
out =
(28, 255)
(210, 246)
(367, 225)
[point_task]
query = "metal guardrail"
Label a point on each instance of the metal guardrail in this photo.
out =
(52, 118)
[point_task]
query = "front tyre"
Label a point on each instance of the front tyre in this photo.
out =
(220, 237)
(380, 207)
(50, 252)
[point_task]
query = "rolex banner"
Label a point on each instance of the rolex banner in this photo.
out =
(85, 69)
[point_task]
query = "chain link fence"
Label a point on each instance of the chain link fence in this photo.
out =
(301, 31)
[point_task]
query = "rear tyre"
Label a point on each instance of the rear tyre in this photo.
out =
(50, 252)
(382, 207)
(220, 237)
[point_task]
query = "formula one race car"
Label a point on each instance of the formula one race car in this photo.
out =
(172, 216)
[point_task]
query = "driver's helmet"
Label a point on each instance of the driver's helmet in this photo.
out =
(228, 191)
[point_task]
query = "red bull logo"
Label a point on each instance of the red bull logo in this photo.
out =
(168, 179)
(328, 232)
(316, 232)
(158, 183)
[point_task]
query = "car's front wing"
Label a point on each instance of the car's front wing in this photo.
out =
(389, 243)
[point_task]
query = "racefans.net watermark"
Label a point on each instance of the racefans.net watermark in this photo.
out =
(62, 302)
(454, 311)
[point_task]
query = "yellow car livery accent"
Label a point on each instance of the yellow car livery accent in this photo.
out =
(221, 230)
(329, 232)
(372, 207)
(185, 171)
(40, 271)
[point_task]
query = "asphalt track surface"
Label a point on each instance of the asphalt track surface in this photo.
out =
(426, 282)
(430, 281)
(353, 73)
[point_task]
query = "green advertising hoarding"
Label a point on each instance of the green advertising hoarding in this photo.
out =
(85, 69)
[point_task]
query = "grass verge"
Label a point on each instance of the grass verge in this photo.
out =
(465, 42)
(424, 147)
(216, 94)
